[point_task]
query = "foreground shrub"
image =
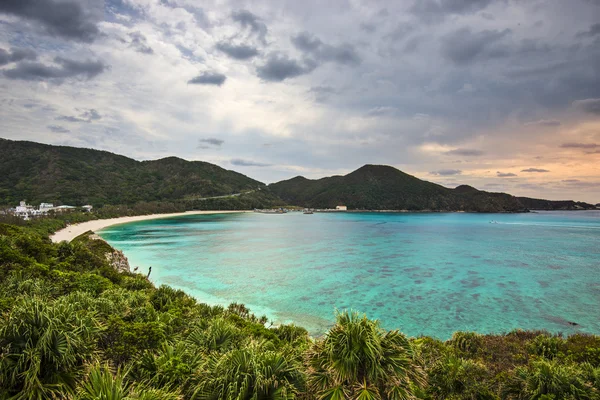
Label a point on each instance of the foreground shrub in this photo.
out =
(358, 359)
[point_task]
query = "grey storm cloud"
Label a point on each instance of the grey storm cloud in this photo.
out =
(543, 122)
(86, 116)
(464, 152)
(248, 163)
(279, 67)
(432, 10)
(579, 145)
(446, 172)
(64, 68)
(140, 43)
(593, 31)
(68, 19)
(16, 55)
(504, 174)
(210, 142)
(251, 21)
(58, 129)
(208, 78)
(239, 52)
(311, 45)
(463, 45)
(534, 170)
(591, 106)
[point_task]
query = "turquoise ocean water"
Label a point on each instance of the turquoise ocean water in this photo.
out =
(425, 273)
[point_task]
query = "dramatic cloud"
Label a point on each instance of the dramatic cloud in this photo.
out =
(247, 163)
(478, 86)
(543, 122)
(58, 129)
(433, 10)
(280, 67)
(579, 145)
(593, 31)
(591, 106)
(140, 43)
(463, 46)
(504, 174)
(464, 152)
(239, 52)
(59, 18)
(446, 172)
(15, 55)
(64, 68)
(251, 21)
(208, 78)
(209, 143)
(313, 46)
(534, 170)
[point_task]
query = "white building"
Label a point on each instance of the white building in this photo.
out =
(46, 206)
(24, 210)
(87, 208)
(341, 208)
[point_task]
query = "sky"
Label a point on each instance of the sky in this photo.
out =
(503, 95)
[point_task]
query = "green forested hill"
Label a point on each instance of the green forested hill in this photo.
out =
(379, 187)
(41, 173)
(58, 174)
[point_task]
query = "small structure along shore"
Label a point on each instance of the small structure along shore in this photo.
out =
(72, 231)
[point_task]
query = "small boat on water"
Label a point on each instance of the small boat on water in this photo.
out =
(308, 212)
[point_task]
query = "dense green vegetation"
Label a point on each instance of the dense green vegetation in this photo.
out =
(72, 327)
(67, 175)
(380, 187)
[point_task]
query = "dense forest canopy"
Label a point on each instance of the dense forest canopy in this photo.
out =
(42, 173)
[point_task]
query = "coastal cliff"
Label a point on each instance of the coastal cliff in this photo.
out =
(102, 250)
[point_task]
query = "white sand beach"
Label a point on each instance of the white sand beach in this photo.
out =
(71, 232)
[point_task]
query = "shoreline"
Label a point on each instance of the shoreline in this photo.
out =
(71, 232)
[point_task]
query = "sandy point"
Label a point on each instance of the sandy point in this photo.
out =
(72, 231)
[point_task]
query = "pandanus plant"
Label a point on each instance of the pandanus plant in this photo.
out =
(253, 372)
(44, 347)
(359, 360)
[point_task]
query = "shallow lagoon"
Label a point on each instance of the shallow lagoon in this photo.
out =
(424, 273)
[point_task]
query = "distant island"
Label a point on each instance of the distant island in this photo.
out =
(77, 176)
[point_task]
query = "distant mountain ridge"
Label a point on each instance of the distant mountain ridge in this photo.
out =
(44, 173)
(380, 187)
